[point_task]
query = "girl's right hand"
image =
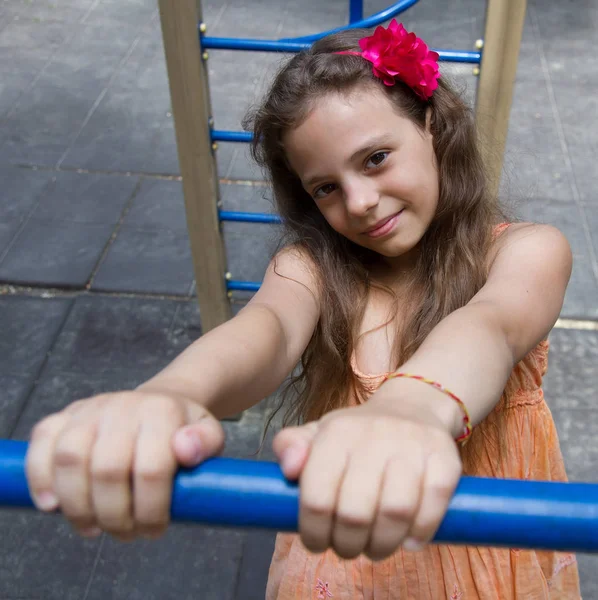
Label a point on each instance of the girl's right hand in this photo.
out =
(108, 462)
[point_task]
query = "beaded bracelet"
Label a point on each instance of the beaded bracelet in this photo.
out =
(467, 428)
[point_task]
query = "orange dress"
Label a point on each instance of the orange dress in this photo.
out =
(524, 423)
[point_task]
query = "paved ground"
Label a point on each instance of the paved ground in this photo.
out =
(95, 270)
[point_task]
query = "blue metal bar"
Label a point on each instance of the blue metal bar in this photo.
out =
(222, 135)
(245, 493)
(380, 17)
(248, 217)
(464, 56)
(243, 286)
(355, 11)
(223, 43)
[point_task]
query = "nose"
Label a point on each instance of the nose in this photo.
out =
(361, 195)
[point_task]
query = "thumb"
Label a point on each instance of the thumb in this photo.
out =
(201, 438)
(292, 446)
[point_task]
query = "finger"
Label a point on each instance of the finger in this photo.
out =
(39, 461)
(357, 501)
(397, 506)
(441, 477)
(319, 488)
(155, 464)
(202, 437)
(110, 468)
(71, 473)
(292, 446)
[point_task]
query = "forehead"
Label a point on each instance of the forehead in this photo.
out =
(338, 125)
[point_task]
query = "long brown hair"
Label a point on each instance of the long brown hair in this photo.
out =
(451, 266)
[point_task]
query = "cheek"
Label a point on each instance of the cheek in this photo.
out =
(334, 214)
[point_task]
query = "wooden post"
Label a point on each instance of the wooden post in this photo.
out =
(188, 79)
(502, 39)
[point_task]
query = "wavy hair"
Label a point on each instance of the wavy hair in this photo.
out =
(451, 266)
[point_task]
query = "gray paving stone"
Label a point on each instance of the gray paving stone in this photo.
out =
(249, 248)
(51, 113)
(154, 261)
(106, 333)
(15, 389)
(125, 131)
(188, 562)
(253, 576)
(592, 216)
(22, 190)
(45, 11)
(246, 198)
(572, 378)
(588, 564)
(86, 198)
(159, 204)
(29, 327)
(41, 557)
(54, 253)
(8, 231)
(577, 431)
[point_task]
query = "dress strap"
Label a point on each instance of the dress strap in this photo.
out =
(498, 229)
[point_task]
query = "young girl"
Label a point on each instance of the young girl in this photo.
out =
(416, 314)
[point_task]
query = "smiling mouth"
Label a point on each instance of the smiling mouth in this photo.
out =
(384, 226)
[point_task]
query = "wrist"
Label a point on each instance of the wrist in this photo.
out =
(412, 399)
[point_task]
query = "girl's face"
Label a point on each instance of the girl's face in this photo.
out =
(371, 172)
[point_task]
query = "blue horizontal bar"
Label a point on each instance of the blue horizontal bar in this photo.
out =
(248, 217)
(247, 493)
(459, 56)
(223, 43)
(223, 135)
(463, 56)
(376, 19)
(243, 286)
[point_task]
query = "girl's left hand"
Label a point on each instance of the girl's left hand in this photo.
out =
(370, 480)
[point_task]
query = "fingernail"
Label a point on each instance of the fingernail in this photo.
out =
(195, 443)
(91, 532)
(413, 545)
(46, 501)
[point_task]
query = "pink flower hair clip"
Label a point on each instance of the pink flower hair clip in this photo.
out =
(396, 53)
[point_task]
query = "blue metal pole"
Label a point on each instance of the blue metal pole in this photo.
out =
(483, 512)
(223, 135)
(247, 217)
(222, 43)
(355, 11)
(243, 286)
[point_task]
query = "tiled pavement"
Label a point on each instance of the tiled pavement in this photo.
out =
(96, 284)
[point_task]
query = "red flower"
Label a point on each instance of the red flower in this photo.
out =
(394, 52)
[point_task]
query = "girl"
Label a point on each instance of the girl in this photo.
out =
(399, 286)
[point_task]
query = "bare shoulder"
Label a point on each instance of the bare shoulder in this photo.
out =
(294, 265)
(291, 292)
(533, 243)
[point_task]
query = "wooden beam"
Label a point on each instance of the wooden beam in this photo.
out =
(191, 109)
(502, 40)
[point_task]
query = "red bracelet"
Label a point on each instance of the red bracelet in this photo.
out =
(467, 428)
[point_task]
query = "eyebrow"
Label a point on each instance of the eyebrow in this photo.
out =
(371, 146)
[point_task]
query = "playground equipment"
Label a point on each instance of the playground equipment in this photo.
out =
(246, 493)
(186, 47)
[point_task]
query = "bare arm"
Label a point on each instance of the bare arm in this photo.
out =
(472, 351)
(244, 360)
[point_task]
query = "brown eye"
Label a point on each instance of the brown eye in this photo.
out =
(324, 190)
(376, 159)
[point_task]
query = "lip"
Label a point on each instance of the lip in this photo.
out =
(383, 227)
